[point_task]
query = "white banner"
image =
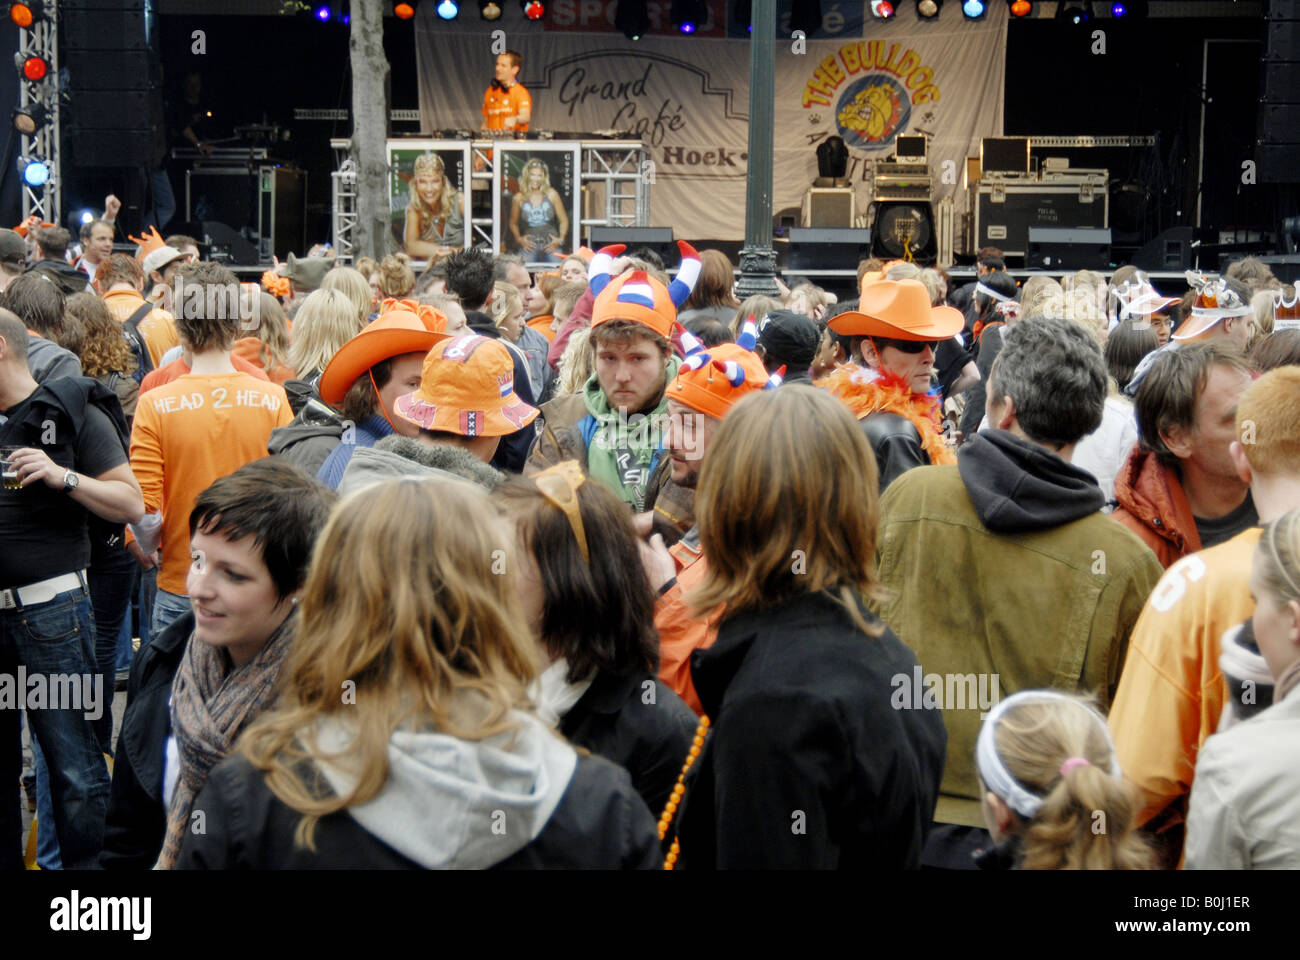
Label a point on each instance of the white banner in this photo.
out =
(687, 98)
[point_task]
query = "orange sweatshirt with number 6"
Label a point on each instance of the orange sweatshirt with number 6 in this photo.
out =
(190, 432)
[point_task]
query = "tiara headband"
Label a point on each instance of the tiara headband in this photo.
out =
(990, 292)
(994, 772)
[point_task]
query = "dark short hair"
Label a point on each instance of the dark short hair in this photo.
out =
(207, 311)
(89, 227)
(359, 402)
(1054, 371)
(435, 271)
(845, 342)
(649, 256)
(178, 240)
(281, 507)
(1126, 345)
(38, 302)
(516, 58)
(53, 240)
(709, 330)
(1281, 348)
(599, 616)
(469, 276)
(1167, 396)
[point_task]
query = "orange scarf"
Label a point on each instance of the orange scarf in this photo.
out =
(866, 392)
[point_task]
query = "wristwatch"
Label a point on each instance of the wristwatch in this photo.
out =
(70, 481)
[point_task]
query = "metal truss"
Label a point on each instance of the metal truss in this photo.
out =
(42, 40)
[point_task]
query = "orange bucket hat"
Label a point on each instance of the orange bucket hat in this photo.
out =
(403, 326)
(898, 310)
(712, 379)
(637, 296)
(467, 387)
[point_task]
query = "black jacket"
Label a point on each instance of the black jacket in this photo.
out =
(896, 443)
(137, 819)
(649, 740)
(807, 763)
(512, 453)
(600, 824)
(63, 275)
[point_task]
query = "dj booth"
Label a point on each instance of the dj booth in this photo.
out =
(537, 195)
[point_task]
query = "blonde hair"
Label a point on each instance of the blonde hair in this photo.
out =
(759, 306)
(933, 281)
(436, 641)
(366, 266)
(524, 175)
(813, 294)
(1041, 297)
(1278, 557)
(1265, 306)
(577, 363)
(396, 278)
(565, 298)
(505, 302)
(432, 163)
(1268, 422)
(1089, 282)
(788, 504)
(354, 285)
(326, 320)
(273, 331)
(1033, 740)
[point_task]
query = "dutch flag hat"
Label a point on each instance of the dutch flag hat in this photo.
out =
(711, 379)
(637, 296)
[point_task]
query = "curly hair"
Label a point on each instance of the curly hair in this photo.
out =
(396, 278)
(104, 349)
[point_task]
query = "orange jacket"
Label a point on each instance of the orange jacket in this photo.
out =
(1153, 505)
(1171, 691)
(681, 634)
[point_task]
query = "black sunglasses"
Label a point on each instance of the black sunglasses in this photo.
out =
(906, 346)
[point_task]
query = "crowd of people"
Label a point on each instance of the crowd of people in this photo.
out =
(605, 568)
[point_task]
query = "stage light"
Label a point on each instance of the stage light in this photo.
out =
(689, 15)
(1020, 8)
(806, 15)
(404, 9)
(973, 9)
(1073, 11)
(489, 9)
(632, 18)
(28, 121)
(882, 9)
(928, 9)
(33, 68)
(87, 216)
(35, 173)
(24, 15)
(1129, 9)
(323, 13)
(534, 9)
(447, 9)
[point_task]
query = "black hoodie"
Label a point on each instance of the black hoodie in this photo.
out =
(1017, 486)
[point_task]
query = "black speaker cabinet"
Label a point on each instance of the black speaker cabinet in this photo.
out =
(1052, 248)
(828, 248)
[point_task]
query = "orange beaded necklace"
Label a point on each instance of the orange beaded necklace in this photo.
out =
(679, 791)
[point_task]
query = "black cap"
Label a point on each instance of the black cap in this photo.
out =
(789, 338)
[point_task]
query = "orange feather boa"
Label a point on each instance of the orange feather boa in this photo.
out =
(866, 392)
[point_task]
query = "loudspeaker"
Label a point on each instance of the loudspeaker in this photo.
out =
(1171, 250)
(903, 227)
(829, 207)
(658, 239)
(1278, 123)
(827, 248)
(1079, 249)
(226, 245)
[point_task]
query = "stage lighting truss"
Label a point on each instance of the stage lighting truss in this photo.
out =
(35, 119)
(928, 9)
(973, 9)
(1020, 8)
(882, 9)
(689, 15)
(533, 9)
(632, 18)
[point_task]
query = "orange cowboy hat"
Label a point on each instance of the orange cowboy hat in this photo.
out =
(467, 387)
(898, 310)
(403, 326)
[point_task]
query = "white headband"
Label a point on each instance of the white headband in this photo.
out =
(995, 774)
(990, 292)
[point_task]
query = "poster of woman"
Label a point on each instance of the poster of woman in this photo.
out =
(537, 201)
(428, 199)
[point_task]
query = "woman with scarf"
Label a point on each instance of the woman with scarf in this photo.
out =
(196, 687)
(888, 387)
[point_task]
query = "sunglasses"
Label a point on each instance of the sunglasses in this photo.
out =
(906, 346)
(559, 484)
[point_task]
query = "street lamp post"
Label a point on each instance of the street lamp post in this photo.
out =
(757, 258)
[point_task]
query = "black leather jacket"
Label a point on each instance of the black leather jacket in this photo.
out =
(896, 443)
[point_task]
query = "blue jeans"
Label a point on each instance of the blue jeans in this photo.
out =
(111, 580)
(55, 637)
(147, 590)
(47, 837)
(166, 608)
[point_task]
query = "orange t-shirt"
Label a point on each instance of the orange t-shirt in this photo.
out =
(158, 328)
(499, 104)
(190, 432)
(681, 634)
(542, 324)
(179, 368)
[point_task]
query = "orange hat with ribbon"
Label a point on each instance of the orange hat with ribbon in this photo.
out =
(467, 387)
(403, 326)
(637, 296)
(712, 379)
(898, 310)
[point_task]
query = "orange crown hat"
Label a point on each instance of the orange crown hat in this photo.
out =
(898, 310)
(712, 379)
(153, 253)
(637, 296)
(1215, 301)
(401, 327)
(467, 387)
(30, 223)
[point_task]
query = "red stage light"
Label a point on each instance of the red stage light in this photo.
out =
(21, 14)
(534, 9)
(34, 68)
(1021, 8)
(403, 11)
